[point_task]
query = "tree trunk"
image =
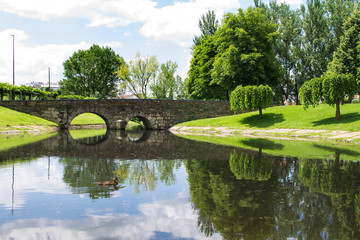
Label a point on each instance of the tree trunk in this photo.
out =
(260, 113)
(338, 111)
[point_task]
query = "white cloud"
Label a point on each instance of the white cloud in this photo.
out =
(176, 22)
(174, 216)
(179, 22)
(32, 61)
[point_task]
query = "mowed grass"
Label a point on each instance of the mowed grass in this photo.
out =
(10, 118)
(293, 117)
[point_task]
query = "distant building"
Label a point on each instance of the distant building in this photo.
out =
(41, 85)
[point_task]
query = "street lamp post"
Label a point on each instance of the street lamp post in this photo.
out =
(13, 59)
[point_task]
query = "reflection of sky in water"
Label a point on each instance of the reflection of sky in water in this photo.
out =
(45, 208)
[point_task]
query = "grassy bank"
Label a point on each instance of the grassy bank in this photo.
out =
(290, 117)
(13, 120)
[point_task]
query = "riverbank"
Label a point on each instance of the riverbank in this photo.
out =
(280, 134)
(283, 122)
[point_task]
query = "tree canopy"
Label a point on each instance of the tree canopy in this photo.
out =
(166, 85)
(251, 97)
(138, 74)
(239, 53)
(331, 88)
(92, 72)
(347, 56)
(245, 55)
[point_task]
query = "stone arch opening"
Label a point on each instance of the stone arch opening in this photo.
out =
(137, 123)
(88, 120)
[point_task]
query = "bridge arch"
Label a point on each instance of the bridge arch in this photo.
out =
(75, 114)
(145, 120)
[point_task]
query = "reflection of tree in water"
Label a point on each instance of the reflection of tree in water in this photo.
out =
(83, 173)
(278, 207)
(340, 180)
(145, 174)
(236, 209)
(250, 166)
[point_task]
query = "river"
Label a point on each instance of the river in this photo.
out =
(173, 187)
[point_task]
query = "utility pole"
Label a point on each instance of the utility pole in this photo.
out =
(13, 59)
(49, 78)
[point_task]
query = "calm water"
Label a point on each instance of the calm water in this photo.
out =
(173, 188)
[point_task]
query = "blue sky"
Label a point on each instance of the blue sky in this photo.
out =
(47, 32)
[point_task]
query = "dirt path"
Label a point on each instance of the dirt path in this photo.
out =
(287, 134)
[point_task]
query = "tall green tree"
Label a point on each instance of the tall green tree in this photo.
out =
(347, 57)
(338, 11)
(165, 86)
(199, 85)
(92, 72)
(287, 45)
(138, 75)
(208, 26)
(245, 50)
(317, 40)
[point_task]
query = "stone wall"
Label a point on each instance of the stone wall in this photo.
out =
(156, 114)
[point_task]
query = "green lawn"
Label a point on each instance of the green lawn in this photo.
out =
(10, 118)
(321, 117)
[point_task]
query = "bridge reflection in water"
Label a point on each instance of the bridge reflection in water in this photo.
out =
(153, 144)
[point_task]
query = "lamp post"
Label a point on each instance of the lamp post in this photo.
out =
(13, 59)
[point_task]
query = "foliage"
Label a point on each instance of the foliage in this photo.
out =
(165, 86)
(249, 166)
(251, 97)
(331, 88)
(310, 92)
(245, 50)
(26, 91)
(92, 73)
(288, 24)
(208, 26)
(138, 75)
(199, 84)
(347, 56)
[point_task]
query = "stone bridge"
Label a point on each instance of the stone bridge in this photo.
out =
(155, 114)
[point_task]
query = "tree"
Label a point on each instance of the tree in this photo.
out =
(286, 48)
(331, 88)
(199, 84)
(165, 86)
(347, 57)
(251, 97)
(316, 49)
(245, 50)
(92, 72)
(208, 26)
(138, 74)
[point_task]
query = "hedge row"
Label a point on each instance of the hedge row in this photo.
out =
(27, 91)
